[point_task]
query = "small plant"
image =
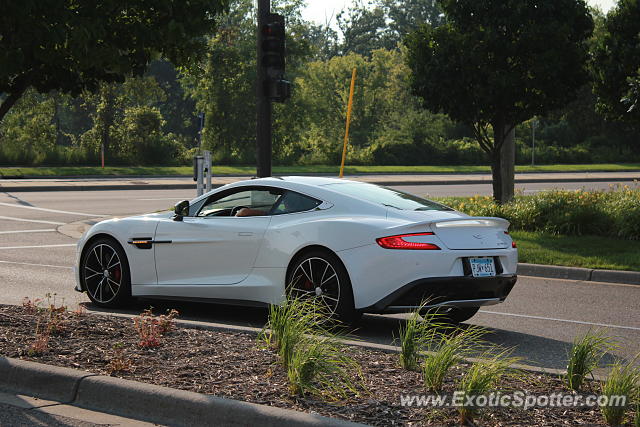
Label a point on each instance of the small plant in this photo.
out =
(40, 343)
(119, 362)
(166, 322)
(146, 325)
(31, 307)
(80, 310)
(151, 328)
(624, 381)
(289, 323)
(585, 356)
(310, 351)
(636, 419)
(482, 378)
(450, 349)
(320, 366)
(415, 335)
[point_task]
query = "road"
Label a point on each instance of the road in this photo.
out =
(540, 318)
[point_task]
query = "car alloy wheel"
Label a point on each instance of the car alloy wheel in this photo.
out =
(105, 273)
(321, 275)
(316, 276)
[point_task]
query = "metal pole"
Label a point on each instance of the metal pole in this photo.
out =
(207, 169)
(263, 104)
(199, 170)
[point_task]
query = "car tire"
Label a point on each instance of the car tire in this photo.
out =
(461, 314)
(322, 274)
(104, 273)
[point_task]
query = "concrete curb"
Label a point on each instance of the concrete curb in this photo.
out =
(145, 401)
(575, 273)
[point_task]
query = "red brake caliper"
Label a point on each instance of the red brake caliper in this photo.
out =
(308, 284)
(116, 274)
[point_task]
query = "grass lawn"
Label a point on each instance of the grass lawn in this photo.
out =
(291, 170)
(578, 251)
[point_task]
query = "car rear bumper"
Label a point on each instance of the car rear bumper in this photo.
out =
(460, 291)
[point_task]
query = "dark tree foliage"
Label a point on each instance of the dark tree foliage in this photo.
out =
(71, 45)
(617, 64)
(499, 62)
(382, 24)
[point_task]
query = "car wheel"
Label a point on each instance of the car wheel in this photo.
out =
(322, 275)
(104, 272)
(460, 314)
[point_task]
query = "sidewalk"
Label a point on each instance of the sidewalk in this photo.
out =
(166, 183)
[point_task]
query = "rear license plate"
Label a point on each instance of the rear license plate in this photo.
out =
(482, 267)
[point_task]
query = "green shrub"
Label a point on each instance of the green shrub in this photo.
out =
(481, 378)
(623, 380)
(310, 351)
(585, 356)
(451, 349)
(613, 213)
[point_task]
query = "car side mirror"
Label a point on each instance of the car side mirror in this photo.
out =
(181, 209)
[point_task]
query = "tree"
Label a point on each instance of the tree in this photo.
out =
(496, 63)
(616, 64)
(363, 29)
(71, 46)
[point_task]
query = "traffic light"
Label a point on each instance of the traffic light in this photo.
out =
(273, 45)
(276, 88)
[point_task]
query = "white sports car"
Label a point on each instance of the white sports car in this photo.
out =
(358, 247)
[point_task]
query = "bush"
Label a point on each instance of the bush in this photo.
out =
(585, 356)
(623, 380)
(614, 213)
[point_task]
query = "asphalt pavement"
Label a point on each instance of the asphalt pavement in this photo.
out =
(540, 318)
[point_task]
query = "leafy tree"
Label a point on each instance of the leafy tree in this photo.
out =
(223, 85)
(617, 63)
(496, 63)
(363, 29)
(405, 16)
(70, 46)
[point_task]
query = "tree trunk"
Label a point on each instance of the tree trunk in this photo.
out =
(507, 164)
(503, 161)
(10, 101)
(106, 115)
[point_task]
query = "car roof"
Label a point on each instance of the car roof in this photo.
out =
(307, 180)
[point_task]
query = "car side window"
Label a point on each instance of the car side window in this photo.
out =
(293, 202)
(249, 202)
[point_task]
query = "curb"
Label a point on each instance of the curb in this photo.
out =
(576, 273)
(145, 402)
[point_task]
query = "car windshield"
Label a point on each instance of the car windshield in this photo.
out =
(387, 196)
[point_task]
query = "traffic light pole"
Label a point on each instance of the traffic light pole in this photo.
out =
(263, 131)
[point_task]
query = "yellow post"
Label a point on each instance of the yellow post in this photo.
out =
(346, 133)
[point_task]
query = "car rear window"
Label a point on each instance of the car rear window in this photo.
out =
(387, 196)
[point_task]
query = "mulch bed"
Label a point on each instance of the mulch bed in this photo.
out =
(233, 365)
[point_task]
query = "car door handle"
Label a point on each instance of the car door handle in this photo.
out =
(245, 233)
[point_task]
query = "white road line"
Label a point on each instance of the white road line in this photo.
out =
(13, 205)
(36, 265)
(162, 198)
(579, 322)
(37, 246)
(39, 221)
(41, 230)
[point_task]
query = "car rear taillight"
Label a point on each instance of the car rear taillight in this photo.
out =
(398, 242)
(513, 243)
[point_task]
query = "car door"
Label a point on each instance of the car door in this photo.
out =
(213, 247)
